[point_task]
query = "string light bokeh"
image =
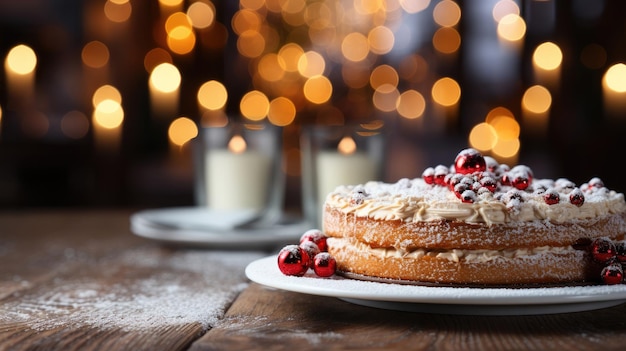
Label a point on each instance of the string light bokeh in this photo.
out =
(97, 99)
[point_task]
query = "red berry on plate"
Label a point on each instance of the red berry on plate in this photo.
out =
(603, 250)
(612, 274)
(576, 197)
(293, 260)
(324, 265)
(469, 161)
(551, 197)
(316, 236)
(311, 249)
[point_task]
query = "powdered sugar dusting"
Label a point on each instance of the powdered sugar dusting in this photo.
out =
(150, 290)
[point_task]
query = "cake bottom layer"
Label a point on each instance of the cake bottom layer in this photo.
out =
(545, 266)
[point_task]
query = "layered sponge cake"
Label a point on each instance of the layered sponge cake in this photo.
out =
(474, 223)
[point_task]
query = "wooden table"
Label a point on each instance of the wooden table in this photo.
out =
(79, 280)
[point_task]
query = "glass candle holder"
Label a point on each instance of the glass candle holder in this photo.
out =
(337, 155)
(238, 167)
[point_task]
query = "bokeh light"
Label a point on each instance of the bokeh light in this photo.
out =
(21, 59)
(95, 54)
(615, 78)
(212, 95)
(446, 92)
(165, 78)
(548, 56)
(182, 130)
(537, 99)
(254, 105)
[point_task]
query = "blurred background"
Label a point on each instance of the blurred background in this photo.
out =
(101, 100)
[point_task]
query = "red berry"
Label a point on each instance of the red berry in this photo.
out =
(469, 161)
(491, 163)
(316, 236)
(440, 174)
(612, 274)
(293, 260)
(552, 197)
(620, 251)
(576, 197)
(489, 183)
(460, 188)
(468, 196)
(603, 250)
(429, 175)
(311, 249)
(324, 265)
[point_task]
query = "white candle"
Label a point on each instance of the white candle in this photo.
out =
(344, 167)
(237, 179)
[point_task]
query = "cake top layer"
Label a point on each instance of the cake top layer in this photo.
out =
(477, 189)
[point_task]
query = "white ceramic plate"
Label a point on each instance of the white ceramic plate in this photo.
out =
(444, 300)
(200, 227)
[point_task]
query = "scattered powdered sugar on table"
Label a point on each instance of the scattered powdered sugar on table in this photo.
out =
(145, 290)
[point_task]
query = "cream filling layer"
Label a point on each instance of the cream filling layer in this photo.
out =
(453, 255)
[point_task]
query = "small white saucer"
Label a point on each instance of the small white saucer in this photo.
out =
(202, 227)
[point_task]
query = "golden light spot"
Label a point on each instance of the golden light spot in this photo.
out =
(503, 8)
(411, 104)
(75, 125)
(212, 95)
(311, 63)
(537, 99)
(181, 130)
(245, 20)
(118, 11)
(165, 78)
(346, 146)
(21, 59)
(506, 148)
(446, 92)
(318, 89)
(548, 56)
(497, 112)
(201, 14)
(483, 137)
(381, 40)
(447, 13)
(106, 92)
(254, 105)
(386, 97)
(269, 68)
(615, 78)
(95, 54)
(175, 20)
(289, 56)
(181, 40)
(384, 74)
(282, 112)
(155, 57)
(505, 127)
(446, 40)
(237, 144)
(414, 6)
(108, 114)
(355, 47)
(251, 44)
(511, 28)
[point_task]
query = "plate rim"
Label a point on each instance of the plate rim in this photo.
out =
(265, 271)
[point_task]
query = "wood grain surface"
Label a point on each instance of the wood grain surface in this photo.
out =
(79, 280)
